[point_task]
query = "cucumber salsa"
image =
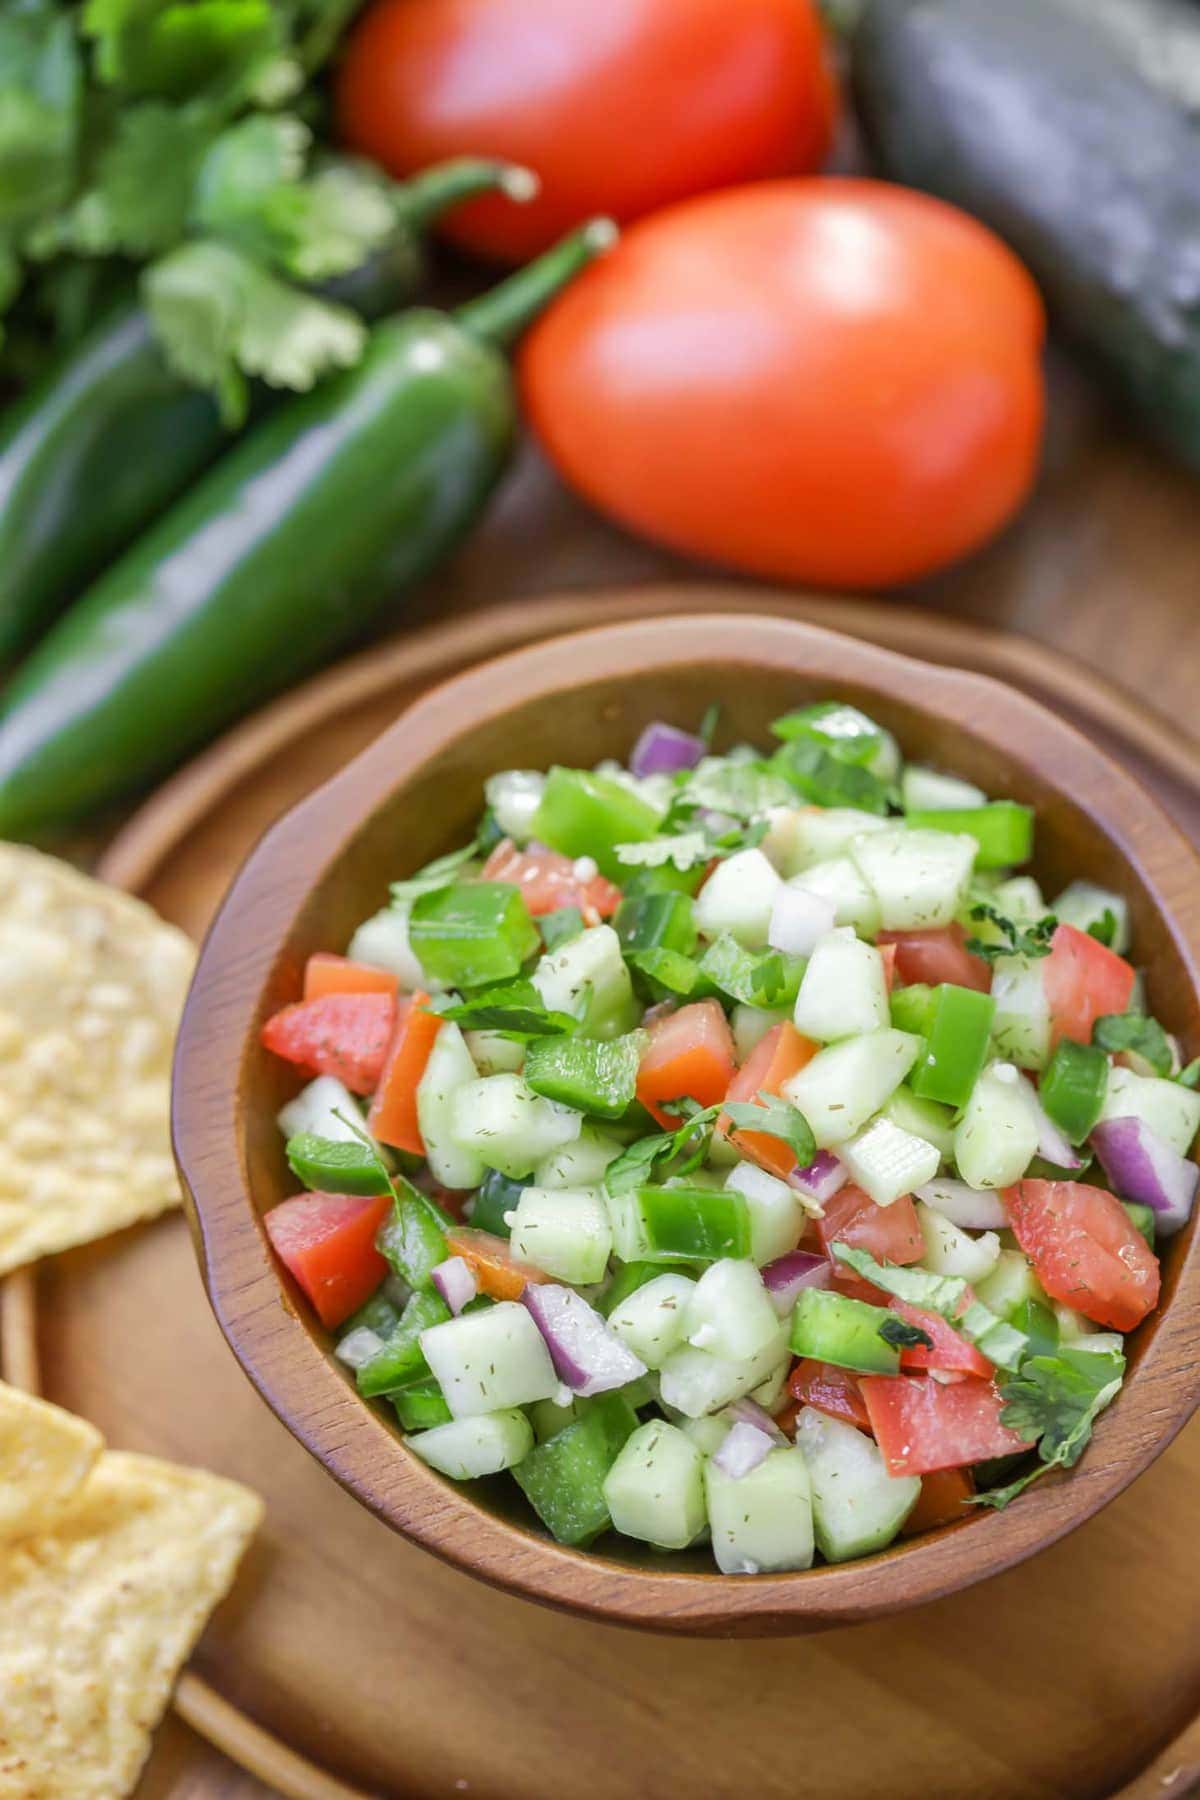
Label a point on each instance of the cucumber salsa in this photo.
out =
(737, 1149)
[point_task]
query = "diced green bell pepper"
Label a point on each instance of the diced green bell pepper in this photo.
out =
(421, 1406)
(413, 1239)
(693, 1225)
(1143, 1219)
(664, 879)
(753, 977)
(472, 932)
(596, 1078)
(956, 1045)
(497, 1196)
(670, 975)
(833, 1328)
(656, 921)
(337, 1165)
(560, 926)
(1073, 1087)
(627, 1280)
(563, 1478)
(912, 1008)
(400, 1361)
(585, 814)
(1003, 829)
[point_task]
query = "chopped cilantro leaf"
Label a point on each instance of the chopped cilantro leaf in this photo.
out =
(1017, 939)
(1190, 1077)
(1056, 1399)
(903, 1336)
(824, 777)
(513, 1010)
(634, 1166)
(1104, 929)
(1135, 1032)
(775, 1118)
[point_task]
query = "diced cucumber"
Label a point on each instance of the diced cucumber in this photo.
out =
(579, 1164)
(708, 1434)
(763, 1521)
(383, 942)
(750, 1026)
(1009, 1284)
(631, 1240)
(843, 991)
(450, 1069)
(514, 795)
(1099, 1342)
(549, 1417)
(951, 1251)
(494, 1054)
(589, 972)
(564, 1232)
(563, 1479)
(503, 1125)
(857, 1506)
(928, 790)
(1020, 899)
(798, 837)
(842, 883)
(1021, 1022)
(729, 1312)
(918, 877)
(316, 1109)
(490, 1359)
(652, 1320)
(468, 1448)
(926, 1119)
(695, 1382)
(776, 1216)
(1172, 1112)
(846, 1084)
(997, 1136)
(886, 1161)
(737, 898)
(833, 1328)
(1084, 904)
(655, 1489)
(769, 1393)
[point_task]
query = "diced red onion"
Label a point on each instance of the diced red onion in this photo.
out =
(1143, 1168)
(359, 1346)
(973, 1209)
(749, 1412)
(455, 1281)
(823, 1177)
(799, 920)
(665, 750)
(742, 1450)
(589, 1357)
(784, 1278)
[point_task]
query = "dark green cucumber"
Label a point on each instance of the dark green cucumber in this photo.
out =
(290, 548)
(112, 436)
(1065, 132)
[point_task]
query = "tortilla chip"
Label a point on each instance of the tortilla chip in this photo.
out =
(92, 984)
(45, 1455)
(98, 1615)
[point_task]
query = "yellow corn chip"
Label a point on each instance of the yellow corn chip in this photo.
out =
(91, 987)
(45, 1455)
(98, 1615)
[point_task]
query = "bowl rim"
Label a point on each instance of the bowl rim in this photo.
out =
(301, 1383)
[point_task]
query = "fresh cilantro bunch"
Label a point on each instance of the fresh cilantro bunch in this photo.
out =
(172, 141)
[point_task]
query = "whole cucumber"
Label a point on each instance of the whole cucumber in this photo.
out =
(1068, 135)
(112, 436)
(291, 547)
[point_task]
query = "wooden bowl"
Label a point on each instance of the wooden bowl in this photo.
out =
(415, 793)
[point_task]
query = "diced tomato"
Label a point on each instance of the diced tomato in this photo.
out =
(346, 1035)
(937, 956)
(325, 974)
(831, 1390)
(690, 1053)
(393, 1115)
(888, 953)
(1085, 1251)
(497, 1271)
(943, 1500)
(548, 880)
(922, 1424)
(1083, 980)
(888, 1233)
(951, 1350)
(784, 1415)
(776, 1057)
(327, 1242)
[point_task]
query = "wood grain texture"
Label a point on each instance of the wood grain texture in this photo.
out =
(411, 796)
(431, 1669)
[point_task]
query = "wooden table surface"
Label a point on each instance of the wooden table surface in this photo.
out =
(1104, 564)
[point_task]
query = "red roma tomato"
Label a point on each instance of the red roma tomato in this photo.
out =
(1085, 1251)
(548, 880)
(327, 1242)
(776, 1057)
(346, 1035)
(951, 1351)
(922, 1425)
(937, 956)
(888, 1233)
(831, 1390)
(829, 381)
(690, 1053)
(1083, 980)
(620, 106)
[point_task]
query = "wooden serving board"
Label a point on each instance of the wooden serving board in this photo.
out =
(404, 1678)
